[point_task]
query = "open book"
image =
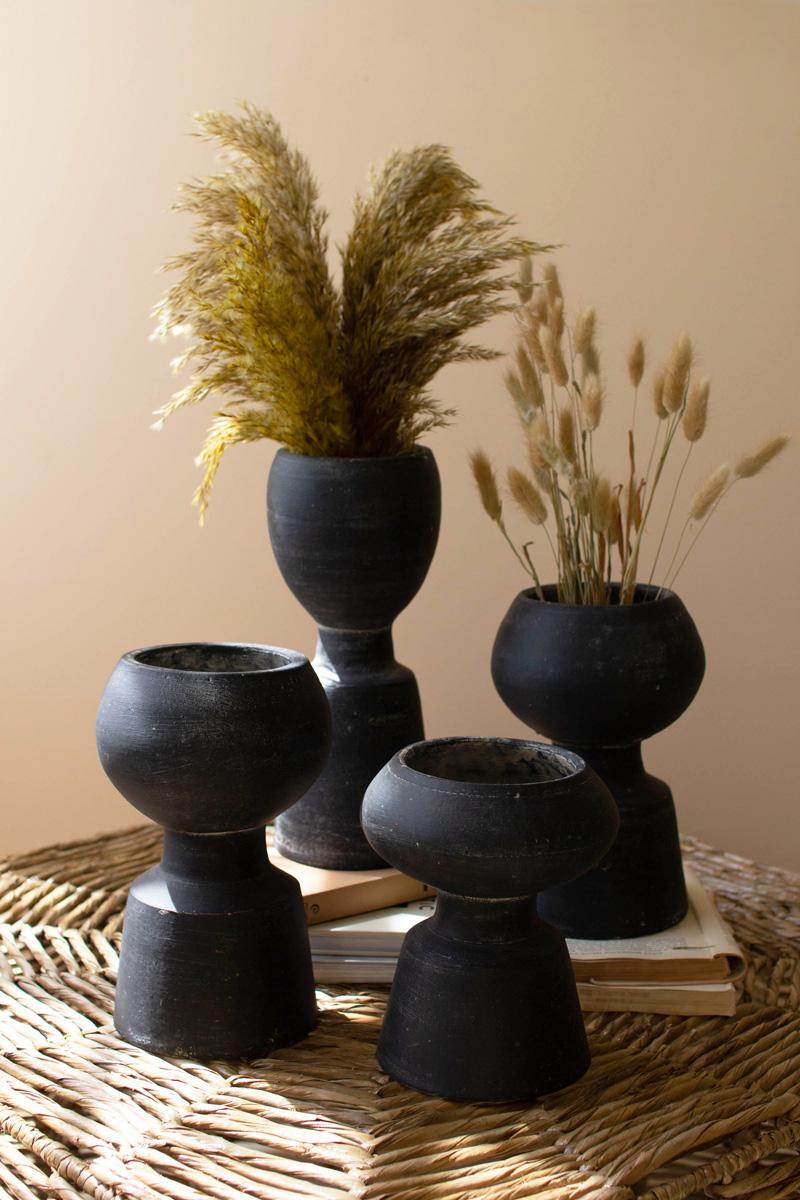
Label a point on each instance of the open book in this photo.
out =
(687, 969)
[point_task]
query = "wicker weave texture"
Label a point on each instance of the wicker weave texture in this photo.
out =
(672, 1107)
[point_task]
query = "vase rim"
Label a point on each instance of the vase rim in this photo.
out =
(646, 589)
(227, 659)
(566, 763)
(417, 451)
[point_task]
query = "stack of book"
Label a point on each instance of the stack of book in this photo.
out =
(358, 920)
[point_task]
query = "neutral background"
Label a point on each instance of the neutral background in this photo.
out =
(657, 140)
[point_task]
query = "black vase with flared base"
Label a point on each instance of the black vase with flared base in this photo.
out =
(600, 679)
(353, 538)
(484, 1004)
(211, 741)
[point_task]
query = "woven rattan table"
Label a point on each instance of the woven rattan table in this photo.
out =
(672, 1107)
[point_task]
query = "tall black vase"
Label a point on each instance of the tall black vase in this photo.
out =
(353, 538)
(599, 679)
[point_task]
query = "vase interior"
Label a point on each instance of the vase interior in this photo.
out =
(210, 658)
(644, 593)
(493, 761)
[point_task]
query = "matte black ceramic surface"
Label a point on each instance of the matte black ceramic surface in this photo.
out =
(599, 679)
(484, 1004)
(212, 741)
(353, 538)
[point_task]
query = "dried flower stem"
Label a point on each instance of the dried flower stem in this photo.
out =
(599, 528)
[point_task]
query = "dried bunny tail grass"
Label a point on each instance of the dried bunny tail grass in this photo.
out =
(658, 394)
(527, 496)
(601, 504)
(695, 416)
(555, 318)
(583, 330)
(529, 377)
(553, 457)
(749, 465)
(636, 362)
(709, 492)
(537, 432)
(531, 324)
(524, 284)
(553, 356)
(582, 495)
(566, 435)
(538, 305)
(677, 374)
(516, 391)
(592, 402)
(552, 283)
(484, 476)
(590, 360)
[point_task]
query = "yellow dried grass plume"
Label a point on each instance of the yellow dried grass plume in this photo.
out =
(331, 371)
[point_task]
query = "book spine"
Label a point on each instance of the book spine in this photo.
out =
(363, 898)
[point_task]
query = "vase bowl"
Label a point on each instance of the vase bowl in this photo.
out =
(599, 679)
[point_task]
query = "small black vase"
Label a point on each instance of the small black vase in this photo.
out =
(211, 741)
(484, 1004)
(353, 538)
(600, 679)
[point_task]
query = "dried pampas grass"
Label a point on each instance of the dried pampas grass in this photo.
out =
(324, 370)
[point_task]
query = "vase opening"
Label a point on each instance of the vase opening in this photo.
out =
(208, 657)
(644, 593)
(491, 761)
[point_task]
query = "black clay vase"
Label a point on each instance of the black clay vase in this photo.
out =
(484, 1004)
(353, 538)
(600, 679)
(212, 741)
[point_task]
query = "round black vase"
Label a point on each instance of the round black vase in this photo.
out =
(600, 679)
(484, 1004)
(212, 741)
(353, 538)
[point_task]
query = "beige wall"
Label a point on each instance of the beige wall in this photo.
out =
(658, 140)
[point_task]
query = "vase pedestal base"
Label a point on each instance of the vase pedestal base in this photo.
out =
(638, 888)
(215, 967)
(375, 711)
(484, 1005)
